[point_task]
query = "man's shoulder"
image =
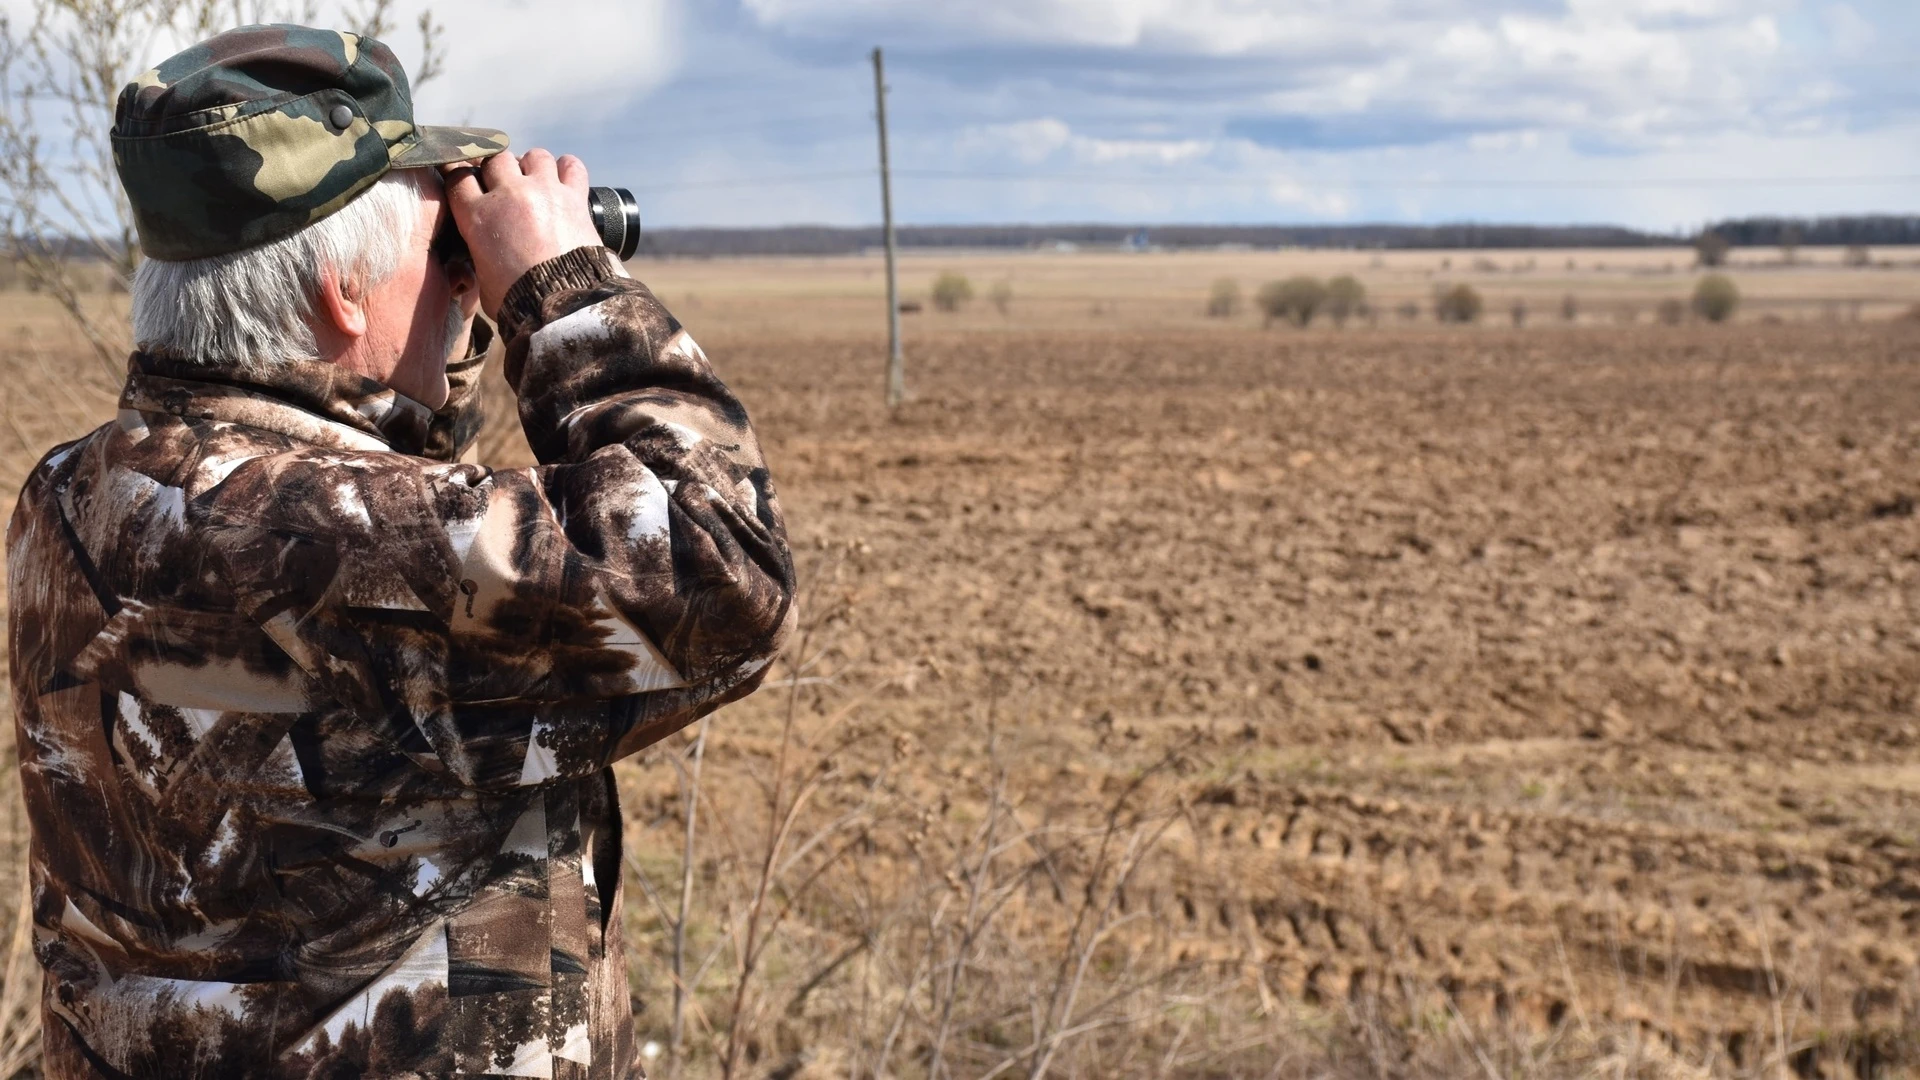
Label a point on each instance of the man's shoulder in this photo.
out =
(53, 468)
(154, 474)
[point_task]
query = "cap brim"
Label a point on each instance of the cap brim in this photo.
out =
(448, 145)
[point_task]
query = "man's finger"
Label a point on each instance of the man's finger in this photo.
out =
(573, 172)
(537, 162)
(461, 183)
(499, 169)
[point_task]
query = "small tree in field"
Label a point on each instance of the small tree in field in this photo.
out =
(1518, 312)
(1001, 296)
(951, 291)
(1569, 308)
(1459, 304)
(1295, 299)
(1857, 255)
(1223, 301)
(1346, 297)
(1790, 244)
(1711, 249)
(1715, 298)
(1671, 311)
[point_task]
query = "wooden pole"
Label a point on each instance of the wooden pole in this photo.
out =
(896, 363)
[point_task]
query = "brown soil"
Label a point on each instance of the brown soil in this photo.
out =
(1573, 672)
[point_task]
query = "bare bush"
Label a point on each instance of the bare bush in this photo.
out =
(1710, 249)
(1001, 297)
(1715, 298)
(1296, 300)
(1518, 312)
(976, 935)
(951, 291)
(1223, 300)
(1569, 308)
(1346, 297)
(1857, 255)
(1671, 312)
(1790, 238)
(1457, 304)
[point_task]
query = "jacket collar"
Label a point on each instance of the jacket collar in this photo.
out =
(309, 401)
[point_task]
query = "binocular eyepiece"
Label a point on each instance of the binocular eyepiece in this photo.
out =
(617, 215)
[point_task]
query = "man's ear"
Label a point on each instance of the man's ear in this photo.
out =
(342, 307)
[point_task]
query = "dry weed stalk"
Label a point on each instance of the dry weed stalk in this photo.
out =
(866, 920)
(690, 797)
(20, 996)
(20, 988)
(787, 796)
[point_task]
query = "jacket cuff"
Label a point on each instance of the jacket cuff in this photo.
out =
(581, 268)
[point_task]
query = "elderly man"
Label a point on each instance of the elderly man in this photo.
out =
(315, 720)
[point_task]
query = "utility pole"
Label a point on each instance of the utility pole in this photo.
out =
(896, 363)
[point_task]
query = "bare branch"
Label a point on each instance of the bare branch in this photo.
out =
(64, 217)
(371, 18)
(433, 54)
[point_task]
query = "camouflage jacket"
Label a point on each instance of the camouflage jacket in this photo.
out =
(315, 721)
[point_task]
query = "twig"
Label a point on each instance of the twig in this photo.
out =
(1473, 1042)
(691, 797)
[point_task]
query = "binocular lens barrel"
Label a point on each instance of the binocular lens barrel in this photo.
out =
(617, 215)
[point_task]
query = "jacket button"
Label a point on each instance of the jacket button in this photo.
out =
(341, 117)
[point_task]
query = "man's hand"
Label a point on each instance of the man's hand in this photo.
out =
(516, 213)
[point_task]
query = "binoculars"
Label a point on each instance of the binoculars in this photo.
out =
(615, 213)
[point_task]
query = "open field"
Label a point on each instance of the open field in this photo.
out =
(1184, 698)
(1159, 290)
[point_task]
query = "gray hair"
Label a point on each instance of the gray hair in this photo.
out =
(253, 308)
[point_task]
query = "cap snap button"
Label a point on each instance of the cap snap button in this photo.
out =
(340, 117)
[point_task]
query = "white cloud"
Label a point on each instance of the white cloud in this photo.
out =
(1202, 162)
(1032, 142)
(1156, 151)
(1848, 31)
(516, 63)
(1321, 203)
(1026, 141)
(1613, 65)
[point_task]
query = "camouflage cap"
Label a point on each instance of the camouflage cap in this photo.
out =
(256, 133)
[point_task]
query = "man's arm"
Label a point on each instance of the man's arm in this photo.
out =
(514, 626)
(518, 625)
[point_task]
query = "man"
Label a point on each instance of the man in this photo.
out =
(315, 721)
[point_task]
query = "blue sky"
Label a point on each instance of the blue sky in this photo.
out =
(756, 112)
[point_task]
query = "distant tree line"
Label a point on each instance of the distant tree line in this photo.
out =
(1872, 229)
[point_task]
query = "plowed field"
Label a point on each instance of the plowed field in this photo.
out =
(1571, 671)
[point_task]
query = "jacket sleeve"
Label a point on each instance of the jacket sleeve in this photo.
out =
(514, 626)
